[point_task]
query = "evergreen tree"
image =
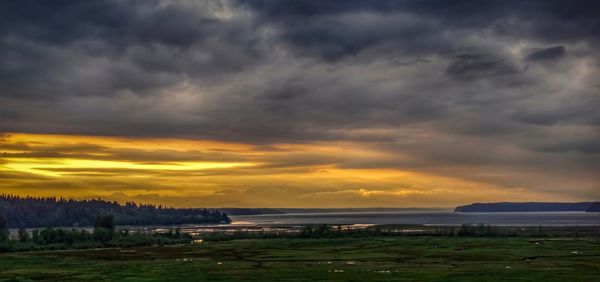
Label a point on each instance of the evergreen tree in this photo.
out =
(106, 221)
(4, 235)
(52, 212)
(23, 235)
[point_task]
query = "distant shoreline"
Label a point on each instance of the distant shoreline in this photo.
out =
(529, 207)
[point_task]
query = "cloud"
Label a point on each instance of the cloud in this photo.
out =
(475, 66)
(440, 87)
(546, 54)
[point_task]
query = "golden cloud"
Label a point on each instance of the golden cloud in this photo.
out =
(210, 173)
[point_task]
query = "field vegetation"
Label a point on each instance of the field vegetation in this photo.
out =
(406, 258)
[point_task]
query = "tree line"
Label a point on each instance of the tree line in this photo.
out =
(29, 212)
(104, 234)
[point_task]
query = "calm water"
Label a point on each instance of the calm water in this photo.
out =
(428, 218)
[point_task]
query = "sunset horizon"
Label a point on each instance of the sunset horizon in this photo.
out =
(337, 104)
(211, 173)
(300, 140)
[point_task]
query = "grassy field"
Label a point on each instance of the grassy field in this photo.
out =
(347, 259)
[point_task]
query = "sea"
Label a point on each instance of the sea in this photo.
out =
(437, 217)
(285, 221)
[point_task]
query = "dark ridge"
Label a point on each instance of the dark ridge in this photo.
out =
(52, 212)
(524, 207)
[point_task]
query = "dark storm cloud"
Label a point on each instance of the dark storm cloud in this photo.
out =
(475, 66)
(590, 146)
(120, 22)
(315, 26)
(100, 47)
(335, 37)
(411, 76)
(547, 54)
(577, 108)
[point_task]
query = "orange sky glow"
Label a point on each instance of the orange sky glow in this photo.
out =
(208, 173)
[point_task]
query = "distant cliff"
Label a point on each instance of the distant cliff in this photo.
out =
(595, 207)
(528, 207)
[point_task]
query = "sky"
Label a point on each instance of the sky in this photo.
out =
(266, 103)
